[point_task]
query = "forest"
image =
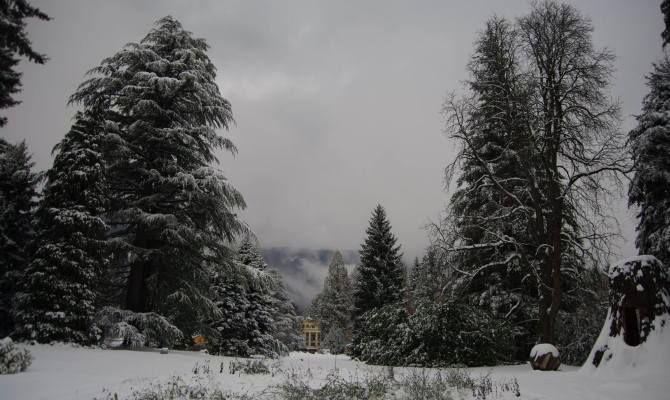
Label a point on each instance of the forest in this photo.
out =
(133, 238)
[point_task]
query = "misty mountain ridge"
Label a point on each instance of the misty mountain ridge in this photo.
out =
(304, 270)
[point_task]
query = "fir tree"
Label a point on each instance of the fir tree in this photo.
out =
(17, 200)
(14, 41)
(650, 187)
(175, 213)
(58, 296)
(333, 306)
(381, 271)
(380, 275)
(286, 327)
(246, 309)
(540, 146)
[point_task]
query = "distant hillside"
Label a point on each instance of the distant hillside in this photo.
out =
(303, 270)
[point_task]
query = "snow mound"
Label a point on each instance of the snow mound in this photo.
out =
(635, 338)
(615, 357)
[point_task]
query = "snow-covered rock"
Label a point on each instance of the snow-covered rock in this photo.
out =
(545, 357)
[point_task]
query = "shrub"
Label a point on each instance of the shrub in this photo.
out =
(335, 388)
(12, 358)
(177, 389)
(437, 334)
(137, 329)
(444, 385)
(249, 367)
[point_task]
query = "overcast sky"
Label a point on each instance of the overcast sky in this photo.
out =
(337, 103)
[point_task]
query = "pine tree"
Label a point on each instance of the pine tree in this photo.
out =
(286, 327)
(650, 187)
(540, 148)
(246, 310)
(381, 271)
(333, 306)
(430, 277)
(17, 200)
(380, 275)
(14, 41)
(175, 212)
(58, 296)
(495, 248)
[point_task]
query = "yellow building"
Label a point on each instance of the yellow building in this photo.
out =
(311, 331)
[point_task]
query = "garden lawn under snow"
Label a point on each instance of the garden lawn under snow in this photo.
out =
(64, 372)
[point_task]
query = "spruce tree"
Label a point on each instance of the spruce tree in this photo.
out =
(58, 291)
(18, 197)
(381, 274)
(174, 211)
(650, 186)
(246, 309)
(496, 247)
(14, 41)
(333, 306)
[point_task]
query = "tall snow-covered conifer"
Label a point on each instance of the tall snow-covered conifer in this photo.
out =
(175, 212)
(381, 273)
(14, 41)
(333, 306)
(18, 196)
(650, 187)
(246, 308)
(57, 299)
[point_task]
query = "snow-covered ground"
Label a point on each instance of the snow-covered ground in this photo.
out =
(63, 372)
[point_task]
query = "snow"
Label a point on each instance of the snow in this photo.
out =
(541, 349)
(640, 361)
(624, 266)
(65, 372)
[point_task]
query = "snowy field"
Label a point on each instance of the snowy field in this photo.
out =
(63, 372)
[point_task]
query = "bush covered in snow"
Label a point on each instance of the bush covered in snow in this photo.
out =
(296, 387)
(449, 333)
(137, 329)
(248, 367)
(176, 388)
(13, 359)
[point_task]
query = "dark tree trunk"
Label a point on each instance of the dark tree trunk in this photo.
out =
(136, 289)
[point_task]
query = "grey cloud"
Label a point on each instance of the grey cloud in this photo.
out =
(337, 103)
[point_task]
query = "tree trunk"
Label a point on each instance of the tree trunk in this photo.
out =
(136, 288)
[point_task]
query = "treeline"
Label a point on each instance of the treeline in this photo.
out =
(516, 259)
(134, 233)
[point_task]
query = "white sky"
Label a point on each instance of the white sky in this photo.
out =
(337, 103)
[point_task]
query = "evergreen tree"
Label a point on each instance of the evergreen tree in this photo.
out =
(650, 187)
(286, 327)
(333, 306)
(246, 309)
(540, 144)
(58, 290)
(381, 271)
(175, 213)
(17, 200)
(14, 41)
(493, 236)
(430, 277)
(380, 275)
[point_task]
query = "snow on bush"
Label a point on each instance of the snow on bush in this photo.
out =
(13, 359)
(137, 329)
